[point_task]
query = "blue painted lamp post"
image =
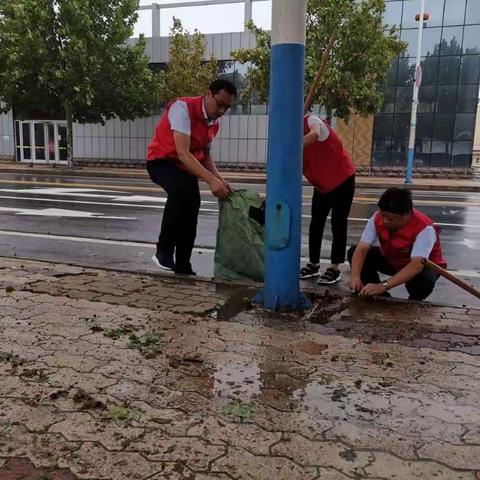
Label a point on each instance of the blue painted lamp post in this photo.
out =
(285, 155)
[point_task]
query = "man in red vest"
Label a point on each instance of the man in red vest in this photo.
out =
(179, 155)
(406, 236)
(328, 167)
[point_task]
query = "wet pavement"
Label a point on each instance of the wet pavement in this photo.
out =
(109, 375)
(114, 223)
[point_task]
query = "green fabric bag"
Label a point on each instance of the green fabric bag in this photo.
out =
(239, 250)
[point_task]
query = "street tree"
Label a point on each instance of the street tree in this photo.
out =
(72, 58)
(187, 73)
(362, 49)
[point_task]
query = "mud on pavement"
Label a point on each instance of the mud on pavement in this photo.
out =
(107, 375)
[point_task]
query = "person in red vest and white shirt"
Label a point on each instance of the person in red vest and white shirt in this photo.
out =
(329, 168)
(406, 236)
(179, 155)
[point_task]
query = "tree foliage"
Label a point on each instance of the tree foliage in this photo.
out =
(187, 73)
(72, 58)
(358, 63)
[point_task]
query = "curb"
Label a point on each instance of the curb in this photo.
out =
(227, 286)
(254, 179)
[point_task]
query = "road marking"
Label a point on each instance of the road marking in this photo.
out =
(358, 199)
(203, 210)
(58, 212)
(200, 249)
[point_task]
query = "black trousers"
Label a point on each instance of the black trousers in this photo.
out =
(418, 288)
(180, 216)
(339, 201)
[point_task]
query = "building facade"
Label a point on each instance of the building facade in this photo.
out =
(447, 115)
(448, 96)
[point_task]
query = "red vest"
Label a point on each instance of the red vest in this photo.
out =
(397, 246)
(326, 165)
(163, 145)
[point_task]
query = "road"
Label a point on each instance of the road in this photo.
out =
(112, 222)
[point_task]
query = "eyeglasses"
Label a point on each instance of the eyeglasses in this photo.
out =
(221, 105)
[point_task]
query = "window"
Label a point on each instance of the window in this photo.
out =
(435, 9)
(451, 43)
(462, 154)
(471, 39)
(467, 98)
(454, 12)
(382, 128)
(431, 41)
(473, 12)
(464, 126)
(448, 70)
(446, 98)
(393, 14)
(406, 71)
(424, 126)
(404, 99)
(470, 69)
(426, 98)
(429, 70)
(443, 127)
(389, 100)
(401, 126)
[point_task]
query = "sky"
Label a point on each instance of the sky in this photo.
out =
(207, 19)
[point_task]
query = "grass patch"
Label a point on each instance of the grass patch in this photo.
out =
(240, 411)
(149, 345)
(123, 415)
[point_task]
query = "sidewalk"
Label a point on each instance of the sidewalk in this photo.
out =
(432, 184)
(109, 375)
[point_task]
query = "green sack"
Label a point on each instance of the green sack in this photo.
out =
(239, 251)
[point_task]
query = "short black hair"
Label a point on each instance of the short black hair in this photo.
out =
(396, 200)
(222, 84)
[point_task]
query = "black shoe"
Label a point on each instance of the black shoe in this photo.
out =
(185, 271)
(331, 276)
(310, 270)
(164, 262)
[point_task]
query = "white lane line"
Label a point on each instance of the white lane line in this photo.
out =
(86, 202)
(58, 212)
(462, 273)
(207, 210)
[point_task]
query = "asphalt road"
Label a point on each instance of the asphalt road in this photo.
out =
(112, 222)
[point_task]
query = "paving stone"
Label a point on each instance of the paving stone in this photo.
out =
(248, 436)
(393, 468)
(94, 461)
(384, 390)
(82, 426)
(455, 456)
(196, 453)
(323, 454)
(243, 465)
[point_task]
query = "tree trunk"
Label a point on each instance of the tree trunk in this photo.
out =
(320, 73)
(69, 114)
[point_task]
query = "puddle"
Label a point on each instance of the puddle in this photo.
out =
(409, 324)
(239, 300)
(22, 469)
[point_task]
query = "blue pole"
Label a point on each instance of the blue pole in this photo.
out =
(285, 156)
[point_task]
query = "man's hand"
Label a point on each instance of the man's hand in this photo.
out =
(372, 289)
(355, 284)
(218, 188)
(227, 186)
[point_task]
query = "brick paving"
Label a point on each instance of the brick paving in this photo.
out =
(107, 375)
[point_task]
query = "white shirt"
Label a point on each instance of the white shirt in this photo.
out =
(316, 120)
(422, 246)
(179, 117)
